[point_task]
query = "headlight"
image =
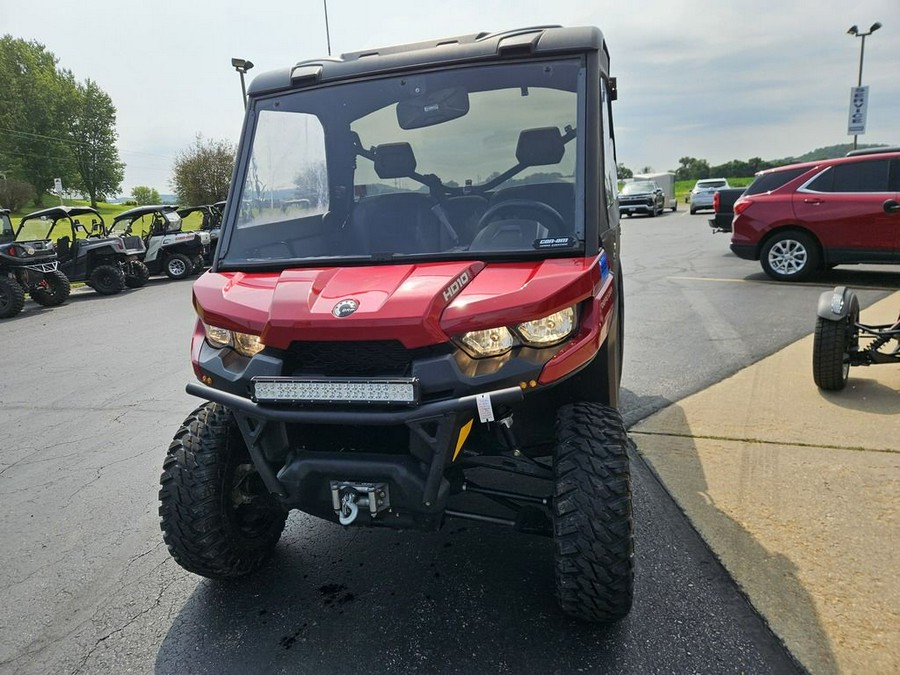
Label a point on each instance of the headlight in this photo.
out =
(242, 343)
(247, 344)
(548, 331)
(544, 332)
(491, 342)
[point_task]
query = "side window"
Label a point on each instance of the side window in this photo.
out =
(868, 176)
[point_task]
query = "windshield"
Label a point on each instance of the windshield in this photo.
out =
(36, 229)
(637, 188)
(464, 163)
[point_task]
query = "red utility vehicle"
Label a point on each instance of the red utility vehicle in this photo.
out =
(416, 289)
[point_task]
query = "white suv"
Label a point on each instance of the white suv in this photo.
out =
(702, 194)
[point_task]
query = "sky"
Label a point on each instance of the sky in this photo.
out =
(713, 80)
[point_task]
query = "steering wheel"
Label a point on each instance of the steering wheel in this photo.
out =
(556, 226)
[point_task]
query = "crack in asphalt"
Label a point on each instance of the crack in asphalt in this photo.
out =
(761, 441)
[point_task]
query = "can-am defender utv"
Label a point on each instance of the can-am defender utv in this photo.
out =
(447, 305)
(29, 266)
(169, 251)
(86, 254)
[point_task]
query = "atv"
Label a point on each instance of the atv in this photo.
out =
(27, 266)
(841, 341)
(210, 222)
(415, 312)
(168, 250)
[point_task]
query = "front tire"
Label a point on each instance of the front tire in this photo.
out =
(178, 266)
(52, 290)
(831, 351)
(107, 279)
(137, 275)
(790, 256)
(12, 297)
(217, 518)
(592, 523)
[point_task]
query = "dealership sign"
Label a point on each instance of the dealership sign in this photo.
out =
(859, 100)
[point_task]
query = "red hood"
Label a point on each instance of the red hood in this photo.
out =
(418, 304)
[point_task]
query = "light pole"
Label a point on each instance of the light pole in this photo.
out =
(242, 66)
(854, 31)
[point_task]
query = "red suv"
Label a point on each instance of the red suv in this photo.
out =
(805, 217)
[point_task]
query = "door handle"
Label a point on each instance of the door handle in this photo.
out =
(891, 206)
(815, 201)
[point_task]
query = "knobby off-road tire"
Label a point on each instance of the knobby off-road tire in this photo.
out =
(137, 274)
(53, 289)
(592, 523)
(12, 297)
(199, 265)
(831, 344)
(107, 279)
(217, 519)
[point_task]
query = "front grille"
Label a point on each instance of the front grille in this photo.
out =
(347, 359)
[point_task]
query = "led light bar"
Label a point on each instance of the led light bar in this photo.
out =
(335, 390)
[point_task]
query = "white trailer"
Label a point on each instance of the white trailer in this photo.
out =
(666, 181)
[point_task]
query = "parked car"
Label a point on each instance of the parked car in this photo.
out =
(800, 218)
(641, 196)
(702, 194)
(666, 183)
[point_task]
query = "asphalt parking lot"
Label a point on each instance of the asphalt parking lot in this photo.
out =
(96, 391)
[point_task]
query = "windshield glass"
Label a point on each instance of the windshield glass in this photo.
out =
(637, 188)
(464, 163)
(38, 228)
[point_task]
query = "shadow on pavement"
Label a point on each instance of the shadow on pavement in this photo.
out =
(866, 395)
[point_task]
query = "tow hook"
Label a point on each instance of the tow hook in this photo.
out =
(347, 498)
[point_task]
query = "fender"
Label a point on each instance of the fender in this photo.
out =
(838, 304)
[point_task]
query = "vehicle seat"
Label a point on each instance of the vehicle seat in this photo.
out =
(542, 147)
(398, 222)
(63, 247)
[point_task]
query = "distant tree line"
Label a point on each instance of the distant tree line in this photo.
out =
(52, 126)
(691, 168)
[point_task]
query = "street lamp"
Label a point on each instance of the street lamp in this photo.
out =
(854, 31)
(242, 66)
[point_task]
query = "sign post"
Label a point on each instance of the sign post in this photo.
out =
(57, 188)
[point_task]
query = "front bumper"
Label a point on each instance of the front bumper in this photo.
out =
(303, 477)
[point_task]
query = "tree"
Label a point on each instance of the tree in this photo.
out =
(623, 171)
(202, 173)
(37, 99)
(692, 168)
(144, 195)
(92, 128)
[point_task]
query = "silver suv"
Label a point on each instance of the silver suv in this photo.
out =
(702, 194)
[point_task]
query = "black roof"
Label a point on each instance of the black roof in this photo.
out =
(522, 42)
(139, 211)
(57, 212)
